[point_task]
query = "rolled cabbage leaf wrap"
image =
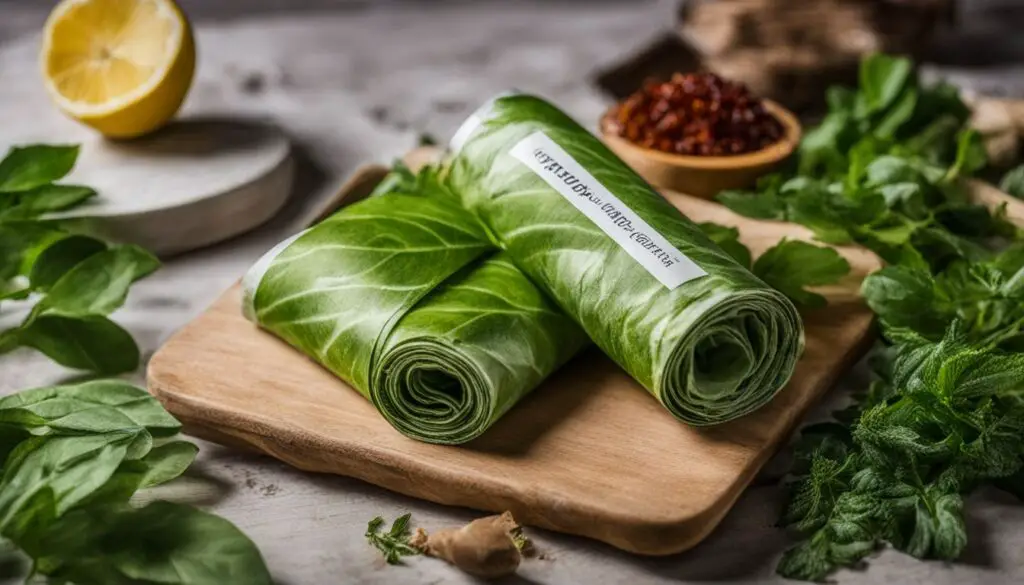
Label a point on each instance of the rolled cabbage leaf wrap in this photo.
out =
(403, 296)
(705, 336)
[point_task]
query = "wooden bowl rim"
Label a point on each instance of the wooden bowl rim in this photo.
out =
(792, 132)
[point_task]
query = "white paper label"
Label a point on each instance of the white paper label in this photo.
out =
(649, 248)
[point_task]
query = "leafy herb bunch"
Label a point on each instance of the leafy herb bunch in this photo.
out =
(73, 456)
(887, 169)
(78, 279)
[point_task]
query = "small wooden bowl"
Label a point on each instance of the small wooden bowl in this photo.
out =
(706, 176)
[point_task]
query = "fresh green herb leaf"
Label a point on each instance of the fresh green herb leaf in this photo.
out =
(99, 284)
(900, 113)
(970, 155)
(393, 544)
(46, 198)
(29, 167)
(74, 455)
(60, 257)
(82, 280)
(882, 79)
(792, 265)
(97, 406)
(91, 342)
(1013, 182)
(117, 544)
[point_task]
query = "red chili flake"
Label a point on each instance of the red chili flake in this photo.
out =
(695, 114)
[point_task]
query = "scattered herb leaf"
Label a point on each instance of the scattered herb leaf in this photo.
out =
(393, 544)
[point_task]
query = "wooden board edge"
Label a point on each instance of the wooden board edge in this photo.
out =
(670, 536)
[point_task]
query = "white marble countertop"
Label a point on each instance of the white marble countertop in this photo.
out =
(352, 83)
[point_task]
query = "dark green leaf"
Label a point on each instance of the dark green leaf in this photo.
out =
(906, 297)
(29, 167)
(939, 530)
(173, 544)
(793, 265)
(92, 343)
(71, 468)
(60, 257)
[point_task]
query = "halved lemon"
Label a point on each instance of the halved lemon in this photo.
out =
(120, 66)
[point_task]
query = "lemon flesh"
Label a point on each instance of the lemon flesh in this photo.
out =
(120, 66)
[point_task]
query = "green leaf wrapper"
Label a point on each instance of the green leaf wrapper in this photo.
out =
(405, 298)
(712, 349)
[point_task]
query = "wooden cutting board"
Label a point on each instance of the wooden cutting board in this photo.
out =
(590, 452)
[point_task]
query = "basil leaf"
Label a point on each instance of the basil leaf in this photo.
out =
(92, 342)
(161, 464)
(99, 284)
(70, 468)
(91, 407)
(166, 462)
(59, 258)
(25, 168)
(46, 198)
(792, 265)
(163, 542)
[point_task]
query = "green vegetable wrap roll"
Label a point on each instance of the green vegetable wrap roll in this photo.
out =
(404, 297)
(700, 332)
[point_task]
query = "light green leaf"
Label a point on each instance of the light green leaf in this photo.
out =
(882, 79)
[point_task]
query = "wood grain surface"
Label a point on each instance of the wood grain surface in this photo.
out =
(590, 452)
